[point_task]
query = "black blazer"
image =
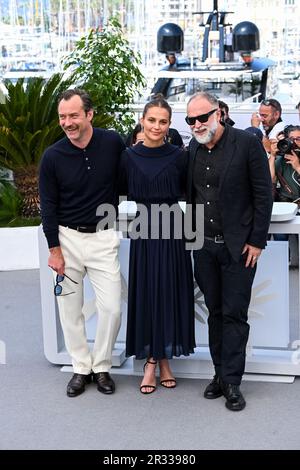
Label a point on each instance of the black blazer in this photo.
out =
(245, 191)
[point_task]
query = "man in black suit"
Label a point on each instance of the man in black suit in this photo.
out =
(228, 173)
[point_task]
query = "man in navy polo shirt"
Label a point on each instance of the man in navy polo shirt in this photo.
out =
(78, 174)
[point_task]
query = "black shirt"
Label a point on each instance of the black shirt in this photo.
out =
(74, 181)
(206, 178)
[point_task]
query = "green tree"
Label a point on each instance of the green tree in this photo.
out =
(104, 64)
(10, 204)
(28, 124)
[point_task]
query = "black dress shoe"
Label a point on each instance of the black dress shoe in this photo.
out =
(105, 383)
(76, 386)
(213, 389)
(234, 398)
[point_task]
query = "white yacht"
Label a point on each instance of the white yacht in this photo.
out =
(227, 67)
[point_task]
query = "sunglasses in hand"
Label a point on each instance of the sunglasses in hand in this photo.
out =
(58, 288)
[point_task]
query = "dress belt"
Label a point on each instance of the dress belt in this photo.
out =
(216, 239)
(84, 228)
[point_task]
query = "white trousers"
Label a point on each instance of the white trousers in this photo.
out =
(94, 254)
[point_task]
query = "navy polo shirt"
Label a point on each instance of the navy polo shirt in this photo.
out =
(73, 182)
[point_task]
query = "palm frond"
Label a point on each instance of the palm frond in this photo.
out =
(28, 120)
(10, 203)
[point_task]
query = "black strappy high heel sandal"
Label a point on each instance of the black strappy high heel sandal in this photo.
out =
(153, 387)
(167, 382)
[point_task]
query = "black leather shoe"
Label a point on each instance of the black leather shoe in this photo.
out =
(234, 398)
(105, 383)
(213, 389)
(77, 384)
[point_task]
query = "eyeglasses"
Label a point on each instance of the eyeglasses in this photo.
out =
(272, 103)
(58, 288)
(202, 118)
(295, 139)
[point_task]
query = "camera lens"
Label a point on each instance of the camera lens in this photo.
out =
(285, 146)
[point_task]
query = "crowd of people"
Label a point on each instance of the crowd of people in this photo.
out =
(227, 171)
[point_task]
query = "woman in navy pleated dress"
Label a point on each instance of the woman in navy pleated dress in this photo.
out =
(160, 321)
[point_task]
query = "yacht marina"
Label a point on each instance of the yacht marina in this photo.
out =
(36, 35)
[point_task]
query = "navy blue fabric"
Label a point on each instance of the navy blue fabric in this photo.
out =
(160, 321)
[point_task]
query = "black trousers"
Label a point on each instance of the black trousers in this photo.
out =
(226, 285)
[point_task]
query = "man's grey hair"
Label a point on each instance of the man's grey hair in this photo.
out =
(207, 96)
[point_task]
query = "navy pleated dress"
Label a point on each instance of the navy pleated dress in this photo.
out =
(160, 320)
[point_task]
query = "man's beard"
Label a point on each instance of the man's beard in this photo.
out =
(211, 132)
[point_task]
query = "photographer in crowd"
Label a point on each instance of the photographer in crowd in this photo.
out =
(284, 162)
(269, 120)
(225, 118)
